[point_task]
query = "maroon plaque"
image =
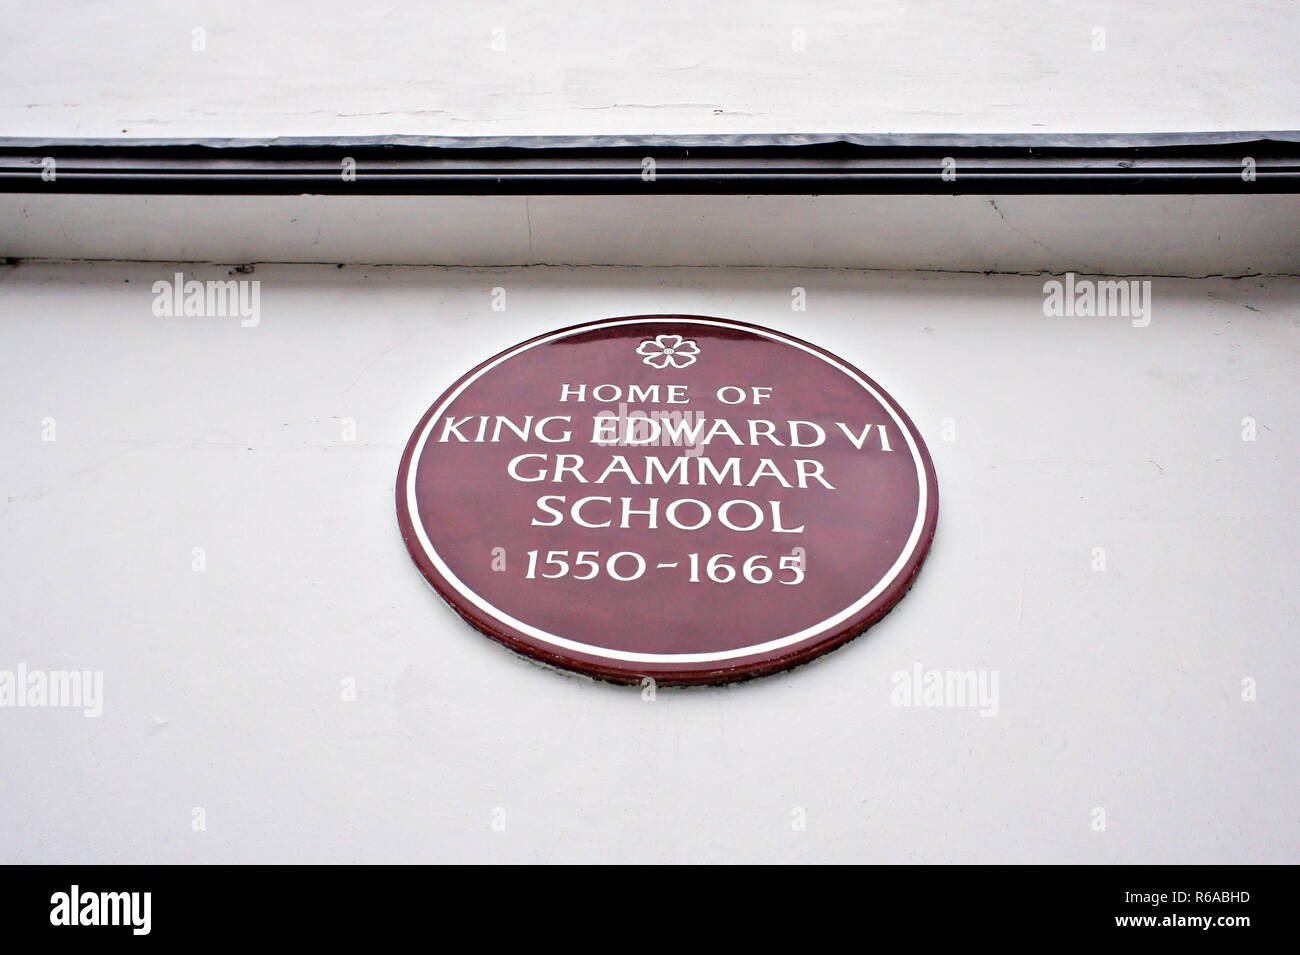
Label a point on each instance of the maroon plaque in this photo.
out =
(690, 499)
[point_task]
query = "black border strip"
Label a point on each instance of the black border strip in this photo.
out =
(793, 164)
(340, 905)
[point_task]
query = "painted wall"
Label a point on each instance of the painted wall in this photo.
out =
(131, 440)
(1195, 236)
(1118, 688)
(338, 67)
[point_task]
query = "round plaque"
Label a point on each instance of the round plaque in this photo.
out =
(689, 499)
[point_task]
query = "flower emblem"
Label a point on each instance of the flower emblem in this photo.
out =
(665, 350)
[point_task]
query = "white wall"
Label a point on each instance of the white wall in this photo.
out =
(338, 67)
(1162, 235)
(1119, 689)
(222, 688)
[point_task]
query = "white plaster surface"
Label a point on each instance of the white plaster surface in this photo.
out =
(1162, 235)
(338, 67)
(1118, 690)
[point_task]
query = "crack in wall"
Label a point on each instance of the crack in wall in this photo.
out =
(15, 262)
